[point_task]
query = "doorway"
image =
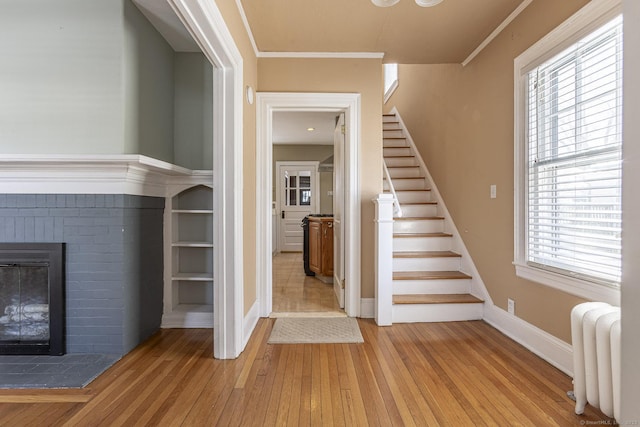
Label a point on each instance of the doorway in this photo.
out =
(297, 193)
(267, 105)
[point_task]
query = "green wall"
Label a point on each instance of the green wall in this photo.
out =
(60, 77)
(95, 77)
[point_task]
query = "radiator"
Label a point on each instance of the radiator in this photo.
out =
(595, 334)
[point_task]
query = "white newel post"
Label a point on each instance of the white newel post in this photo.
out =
(384, 259)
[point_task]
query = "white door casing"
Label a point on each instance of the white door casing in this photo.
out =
(205, 23)
(266, 104)
(296, 197)
(338, 208)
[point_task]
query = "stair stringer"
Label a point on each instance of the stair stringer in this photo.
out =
(477, 287)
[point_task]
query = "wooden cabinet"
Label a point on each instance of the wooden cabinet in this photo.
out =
(321, 245)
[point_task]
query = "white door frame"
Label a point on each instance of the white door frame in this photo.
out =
(205, 23)
(315, 191)
(268, 103)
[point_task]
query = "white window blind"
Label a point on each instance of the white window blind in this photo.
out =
(574, 145)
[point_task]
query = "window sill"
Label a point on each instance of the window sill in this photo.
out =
(577, 287)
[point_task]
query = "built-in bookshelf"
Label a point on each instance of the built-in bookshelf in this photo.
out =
(189, 291)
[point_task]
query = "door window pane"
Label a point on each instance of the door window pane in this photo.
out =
(305, 197)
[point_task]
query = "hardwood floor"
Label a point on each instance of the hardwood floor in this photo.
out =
(423, 374)
(294, 292)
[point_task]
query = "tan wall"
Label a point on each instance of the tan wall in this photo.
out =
(232, 18)
(461, 119)
(362, 76)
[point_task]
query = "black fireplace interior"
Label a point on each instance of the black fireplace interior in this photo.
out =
(32, 298)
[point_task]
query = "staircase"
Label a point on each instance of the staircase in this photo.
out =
(428, 284)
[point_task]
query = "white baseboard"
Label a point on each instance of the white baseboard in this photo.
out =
(553, 350)
(338, 290)
(249, 323)
(367, 308)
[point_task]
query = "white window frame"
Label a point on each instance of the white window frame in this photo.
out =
(583, 22)
(390, 84)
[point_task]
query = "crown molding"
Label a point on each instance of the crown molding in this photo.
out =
(247, 28)
(323, 55)
(497, 31)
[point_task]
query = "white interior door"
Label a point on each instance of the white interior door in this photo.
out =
(338, 208)
(298, 194)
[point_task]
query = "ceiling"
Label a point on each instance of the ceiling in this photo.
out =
(406, 33)
(290, 127)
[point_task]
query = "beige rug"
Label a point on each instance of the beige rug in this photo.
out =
(320, 330)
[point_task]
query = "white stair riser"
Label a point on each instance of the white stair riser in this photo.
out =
(394, 142)
(412, 244)
(391, 123)
(396, 151)
(404, 184)
(409, 184)
(418, 226)
(389, 118)
(404, 172)
(413, 196)
(401, 161)
(426, 264)
(419, 210)
(411, 313)
(392, 133)
(444, 286)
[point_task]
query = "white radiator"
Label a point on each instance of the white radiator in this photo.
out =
(595, 333)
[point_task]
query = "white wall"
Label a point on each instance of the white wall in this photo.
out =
(60, 76)
(631, 217)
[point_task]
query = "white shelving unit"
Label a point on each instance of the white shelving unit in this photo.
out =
(188, 297)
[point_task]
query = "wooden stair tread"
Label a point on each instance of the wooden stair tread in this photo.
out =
(429, 275)
(413, 189)
(426, 254)
(436, 299)
(399, 157)
(394, 137)
(405, 235)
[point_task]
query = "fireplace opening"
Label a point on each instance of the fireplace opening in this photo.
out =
(32, 298)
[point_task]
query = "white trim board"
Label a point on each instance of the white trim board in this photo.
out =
(90, 174)
(268, 103)
(517, 11)
(205, 23)
(546, 346)
(367, 308)
(250, 322)
(322, 55)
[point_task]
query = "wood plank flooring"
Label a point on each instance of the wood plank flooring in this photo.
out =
(294, 292)
(422, 374)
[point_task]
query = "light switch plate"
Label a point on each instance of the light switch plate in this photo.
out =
(493, 191)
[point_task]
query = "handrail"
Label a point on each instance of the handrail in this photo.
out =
(397, 210)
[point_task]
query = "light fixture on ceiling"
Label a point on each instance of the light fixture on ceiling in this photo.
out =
(422, 3)
(311, 129)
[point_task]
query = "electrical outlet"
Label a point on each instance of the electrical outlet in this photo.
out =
(493, 191)
(511, 306)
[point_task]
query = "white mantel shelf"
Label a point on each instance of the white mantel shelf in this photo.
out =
(93, 174)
